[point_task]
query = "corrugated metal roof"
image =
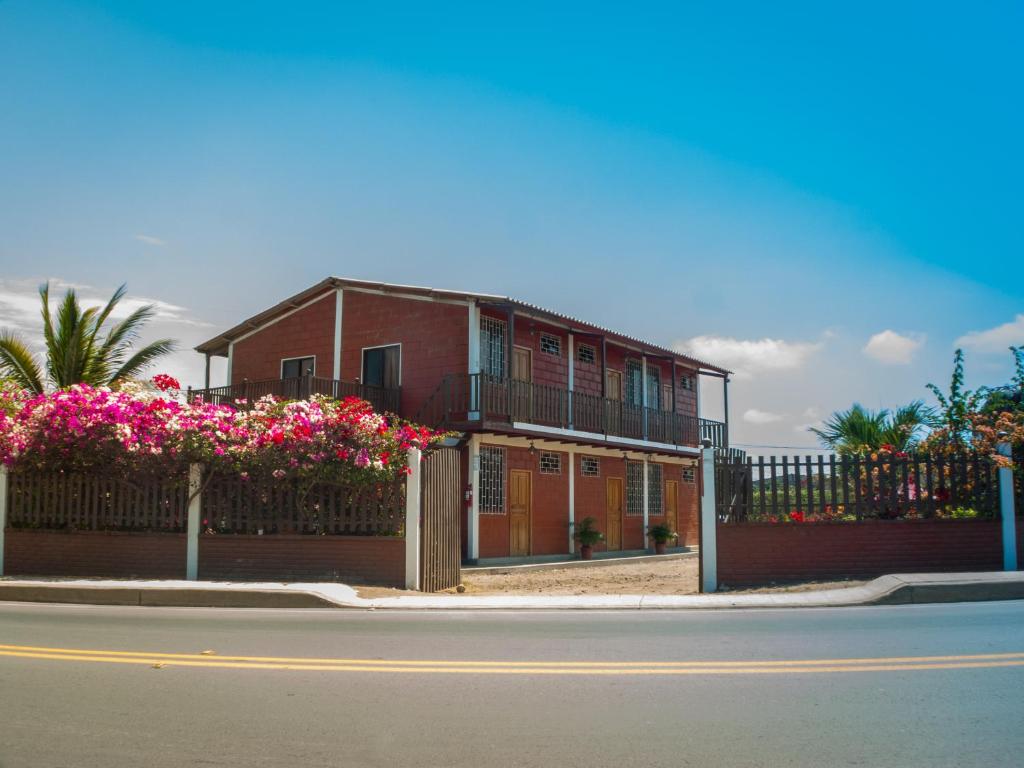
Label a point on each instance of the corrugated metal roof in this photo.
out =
(218, 344)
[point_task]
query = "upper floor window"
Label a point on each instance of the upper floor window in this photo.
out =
(634, 382)
(688, 382)
(293, 367)
(551, 344)
(492, 346)
(382, 366)
(586, 353)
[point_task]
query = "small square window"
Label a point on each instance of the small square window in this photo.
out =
(550, 464)
(586, 353)
(550, 344)
(689, 475)
(687, 382)
(590, 466)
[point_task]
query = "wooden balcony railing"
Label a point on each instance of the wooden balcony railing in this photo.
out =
(467, 398)
(383, 399)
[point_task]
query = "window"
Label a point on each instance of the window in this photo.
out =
(590, 466)
(634, 489)
(689, 475)
(586, 353)
(382, 366)
(654, 486)
(492, 481)
(688, 382)
(653, 387)
(634, 379)
(551, 464)
(492, 347)
(550, 344)
(294, 367)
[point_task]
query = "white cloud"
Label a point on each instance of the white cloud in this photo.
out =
(754, 416)
(995, 340)
(748, 357)
(893, 348)
(150, 240)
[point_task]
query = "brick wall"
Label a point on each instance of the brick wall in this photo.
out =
(759, 553)
(434, 338)
(350, 559)
(110, 554)
(306, 332)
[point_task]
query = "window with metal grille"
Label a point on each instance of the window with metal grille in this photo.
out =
(688, 382)
(551, 463)
(634, 382)
(550, 345)
(586, 353)
(590, 466)
(492, 346)
(654, 486)
(634, 489)
(653, 387)
(492, 480)
(689, 475)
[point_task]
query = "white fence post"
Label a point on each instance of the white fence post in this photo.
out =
(1006, 509)
(413, 521)
(708, 524)
(195, 516)
(3, 513)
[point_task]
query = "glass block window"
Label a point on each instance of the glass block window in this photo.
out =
(590, 466)
(492, 481)
(634, 489)
(689, 475)
(688, 382)
(551, 463)
(492, 346)
(654, 486)
(586, 353)
(550, 344)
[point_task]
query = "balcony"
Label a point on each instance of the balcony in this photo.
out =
(300, 388)
(467, 400)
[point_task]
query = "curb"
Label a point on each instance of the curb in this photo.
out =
(898, 589)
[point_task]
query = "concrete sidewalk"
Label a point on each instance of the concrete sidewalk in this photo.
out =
(886, 590)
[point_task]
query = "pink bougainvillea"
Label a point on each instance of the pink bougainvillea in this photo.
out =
(319, 439)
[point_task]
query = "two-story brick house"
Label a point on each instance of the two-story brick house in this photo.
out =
(559, 419)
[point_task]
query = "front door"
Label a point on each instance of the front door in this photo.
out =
(672, 504)
(613, 536)
(519, 512)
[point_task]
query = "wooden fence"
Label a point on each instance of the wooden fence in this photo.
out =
(441, 549)
(850, 488)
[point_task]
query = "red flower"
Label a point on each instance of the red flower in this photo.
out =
(796, 517)
(163, 382)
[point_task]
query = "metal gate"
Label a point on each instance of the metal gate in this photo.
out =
(441, 550)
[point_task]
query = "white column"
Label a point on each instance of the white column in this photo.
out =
(195, 517)
(572, 499)
(647, 501)
(3, 513)
(474, 358)
(572, 380)
(231, 358)
(1006, 509)
(708, 524)
(413, 518)
(643, 399)
(339, 296)
(473, 526)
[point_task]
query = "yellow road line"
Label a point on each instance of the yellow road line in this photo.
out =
(883, 664)
(305, 660)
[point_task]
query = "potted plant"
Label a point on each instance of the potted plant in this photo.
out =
(661, 534)
(587, 535)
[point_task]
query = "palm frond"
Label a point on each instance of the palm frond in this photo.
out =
(142, 359)
(18, 364)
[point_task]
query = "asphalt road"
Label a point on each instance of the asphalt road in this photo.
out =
(895, 686)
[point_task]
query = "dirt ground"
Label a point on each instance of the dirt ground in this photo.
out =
(645, 577)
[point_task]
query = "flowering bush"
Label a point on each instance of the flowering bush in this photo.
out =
(319, 440)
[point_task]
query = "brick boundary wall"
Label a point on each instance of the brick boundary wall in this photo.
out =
(111, 554)
(753, 554)
(378, 560)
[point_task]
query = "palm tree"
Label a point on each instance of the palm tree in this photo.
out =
(77, 350)
(860, 430)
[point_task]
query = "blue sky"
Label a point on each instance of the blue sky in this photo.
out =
(827, 200)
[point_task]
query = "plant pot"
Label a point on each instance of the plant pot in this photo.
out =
(586, 552)
(659, 547)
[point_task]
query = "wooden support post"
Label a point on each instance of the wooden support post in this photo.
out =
(413, 518)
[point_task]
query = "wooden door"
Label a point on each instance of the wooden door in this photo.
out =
(521, 389)
(519, 502)
(613, 536)
(672, 504)
(522, 364)
(613, 403)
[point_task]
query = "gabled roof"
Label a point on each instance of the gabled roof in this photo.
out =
(218, 345)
